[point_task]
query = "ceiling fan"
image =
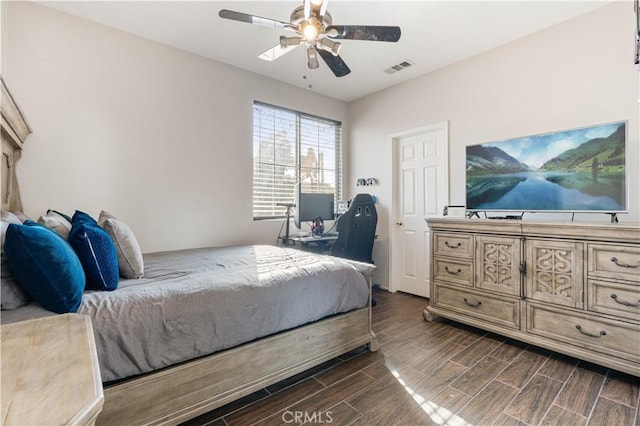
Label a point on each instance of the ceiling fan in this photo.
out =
(312, 25)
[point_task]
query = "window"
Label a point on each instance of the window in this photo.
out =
(290, 147)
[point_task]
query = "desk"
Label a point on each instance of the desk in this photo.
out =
(321, 243)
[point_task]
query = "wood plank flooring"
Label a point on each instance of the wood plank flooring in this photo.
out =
(436, 373)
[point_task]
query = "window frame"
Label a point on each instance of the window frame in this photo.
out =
(299, 117)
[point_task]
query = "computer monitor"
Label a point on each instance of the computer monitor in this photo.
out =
(311, 205)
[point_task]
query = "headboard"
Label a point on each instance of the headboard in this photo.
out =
(15, 130)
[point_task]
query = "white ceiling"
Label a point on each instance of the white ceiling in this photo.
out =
(434, 34)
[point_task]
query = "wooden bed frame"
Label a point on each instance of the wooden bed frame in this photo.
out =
(184, 391)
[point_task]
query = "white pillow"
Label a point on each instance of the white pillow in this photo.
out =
(130, 261)
(56, 222)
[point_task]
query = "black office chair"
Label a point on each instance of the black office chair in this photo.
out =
(356, 230)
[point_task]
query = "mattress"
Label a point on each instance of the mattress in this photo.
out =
(199, 301)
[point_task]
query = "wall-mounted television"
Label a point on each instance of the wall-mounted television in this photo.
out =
(577, 170)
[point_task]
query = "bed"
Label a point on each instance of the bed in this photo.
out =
(207, 326)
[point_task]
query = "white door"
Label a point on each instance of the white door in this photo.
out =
(421, 190)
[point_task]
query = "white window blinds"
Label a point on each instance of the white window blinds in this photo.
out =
(289, 147)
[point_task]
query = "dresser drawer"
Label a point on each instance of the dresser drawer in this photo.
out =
(616, 338)
(617, 298)
(498, 310)
(454, 245)
(453, 271)
(614, 262)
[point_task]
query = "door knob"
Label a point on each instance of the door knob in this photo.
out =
(399, 222)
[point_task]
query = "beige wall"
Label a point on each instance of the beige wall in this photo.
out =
(157, 136)
(575, 74)
(162, 138)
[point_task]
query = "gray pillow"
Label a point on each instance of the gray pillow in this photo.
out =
(11, 293)
(56, 222)
(130, 261)
(21, 216)
(7, 218)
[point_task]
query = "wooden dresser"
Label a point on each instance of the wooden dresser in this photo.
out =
(50, 372)
(570, 287)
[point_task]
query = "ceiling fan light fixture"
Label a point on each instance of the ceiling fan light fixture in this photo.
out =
(310, 32)
(312, 58)
(330, 46)
(289, 41)
(314, 7)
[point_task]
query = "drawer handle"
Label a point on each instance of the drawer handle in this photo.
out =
(473, 305)
(624, 265)
(586, 333)
(615, 298)
(446, 268)
(451, 246)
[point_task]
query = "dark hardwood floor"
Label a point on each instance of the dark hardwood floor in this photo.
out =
(440, 372)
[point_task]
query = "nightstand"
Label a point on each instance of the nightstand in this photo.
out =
(50, 372)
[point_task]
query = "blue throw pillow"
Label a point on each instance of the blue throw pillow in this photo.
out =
(82, 217)
(45, 266)
(96, 252)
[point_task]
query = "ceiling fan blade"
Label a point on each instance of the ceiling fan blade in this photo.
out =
(364, 32)
(335, 63)
(252, 19)
(276, 51)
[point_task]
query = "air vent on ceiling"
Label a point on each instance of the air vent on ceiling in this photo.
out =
(399, 67)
